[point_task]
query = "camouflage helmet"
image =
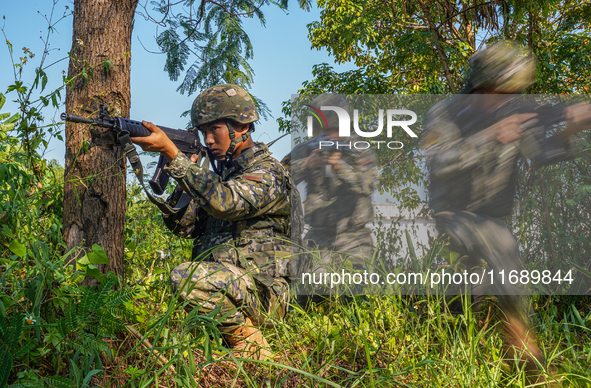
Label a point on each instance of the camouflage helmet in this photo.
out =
(225, 101)
(503, 67)
(332, 119)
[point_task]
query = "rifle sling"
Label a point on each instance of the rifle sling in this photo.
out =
(138, 169)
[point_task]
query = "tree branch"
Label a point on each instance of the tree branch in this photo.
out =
(438, 46)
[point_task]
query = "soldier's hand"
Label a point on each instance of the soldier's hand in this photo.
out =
(579, 114)
(578, 119)
(156, 142)
(315, 160)
(194, 158)
(334, 160)
(509, 129)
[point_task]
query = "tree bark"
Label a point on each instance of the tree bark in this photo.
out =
(94, 192)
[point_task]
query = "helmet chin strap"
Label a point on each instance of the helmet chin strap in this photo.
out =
(234, 141)
(219, 165)
(216, 165)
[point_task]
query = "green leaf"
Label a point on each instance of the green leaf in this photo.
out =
(84, 260)
(583, 270)
(59, 382)
(142, 295)
(77, 276)
(17, 248)
(134, 372)
(411, 251)
(158, 271)
(100, 256)
(95, 273)
(577, 315)
(89, 376)
(107, 66)
(43, 80)
(12, 118)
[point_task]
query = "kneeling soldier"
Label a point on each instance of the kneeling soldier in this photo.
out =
(240, 219)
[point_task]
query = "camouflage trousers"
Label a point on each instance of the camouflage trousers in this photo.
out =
(484, 239)
(237, 292)
(487, 239)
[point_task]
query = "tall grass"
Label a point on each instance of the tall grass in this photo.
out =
(363, 341)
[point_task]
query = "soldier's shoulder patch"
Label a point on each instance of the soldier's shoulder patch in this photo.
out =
(254, 177)
(260, 177)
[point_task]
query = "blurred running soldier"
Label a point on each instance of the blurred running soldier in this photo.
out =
(472, 149)
(338, 205)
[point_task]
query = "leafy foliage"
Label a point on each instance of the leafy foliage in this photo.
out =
(205, 41)
(421, 46)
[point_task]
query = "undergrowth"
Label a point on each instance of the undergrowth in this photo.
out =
(135, 333)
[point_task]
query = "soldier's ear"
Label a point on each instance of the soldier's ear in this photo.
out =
(240, 129)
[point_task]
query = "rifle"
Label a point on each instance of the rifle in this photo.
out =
(187, 142)
(538, 141)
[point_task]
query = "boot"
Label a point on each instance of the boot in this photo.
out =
(248, 342)
(521, 341)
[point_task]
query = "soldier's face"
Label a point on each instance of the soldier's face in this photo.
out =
(217, 137)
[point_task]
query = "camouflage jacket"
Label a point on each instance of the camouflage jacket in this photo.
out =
(469, 170)
(337, 200)
(242, 217)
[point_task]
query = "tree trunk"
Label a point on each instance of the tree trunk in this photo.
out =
(94, 193)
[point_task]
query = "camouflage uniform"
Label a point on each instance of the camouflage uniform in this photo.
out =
(241, 225)
(473, 180)
(337, 208)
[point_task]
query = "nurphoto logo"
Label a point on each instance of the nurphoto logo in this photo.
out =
(345, 121)
(392, 121)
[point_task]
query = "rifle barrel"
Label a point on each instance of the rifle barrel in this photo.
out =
(187, 142)
(76, 119)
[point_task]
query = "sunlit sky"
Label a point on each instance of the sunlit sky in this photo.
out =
(282, 60)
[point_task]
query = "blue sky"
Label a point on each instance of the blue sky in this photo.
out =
(282, 60)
